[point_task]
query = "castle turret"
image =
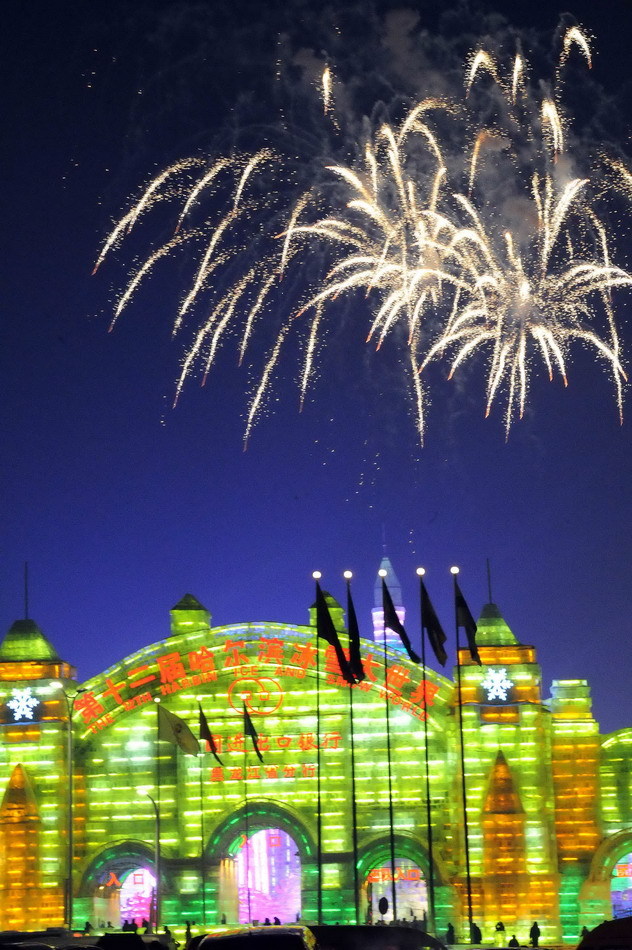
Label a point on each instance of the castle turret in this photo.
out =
(34, 712)
(503, 713)
(189, 616)
(336, 612)
(26, 654)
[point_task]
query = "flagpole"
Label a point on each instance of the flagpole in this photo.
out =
(326, 630)
(157, 804)
(247, 817)
(454, 571)
(202, 861)
(207, 737)
(354, 807)
(431, 891)
(319, 818)
(383, 574)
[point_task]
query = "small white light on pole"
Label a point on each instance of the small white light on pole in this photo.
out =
(420, 571)
(316, 575)
(347, 575)
(454, 570)
(383, 572)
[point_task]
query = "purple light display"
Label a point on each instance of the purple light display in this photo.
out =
(269, 877)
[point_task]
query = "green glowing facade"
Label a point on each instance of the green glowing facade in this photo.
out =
(549, 800)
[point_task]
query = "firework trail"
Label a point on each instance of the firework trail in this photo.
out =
(413, 229)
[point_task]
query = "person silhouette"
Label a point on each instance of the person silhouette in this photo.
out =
(450, 936)
(513, 942)
(534, 933)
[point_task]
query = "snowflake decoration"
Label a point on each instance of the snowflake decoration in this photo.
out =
(23, 704)
(496, 683)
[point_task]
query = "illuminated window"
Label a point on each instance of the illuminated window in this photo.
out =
(410, 891)
(622, 887)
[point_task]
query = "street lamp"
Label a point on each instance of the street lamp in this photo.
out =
(143, 791)
(70, 705)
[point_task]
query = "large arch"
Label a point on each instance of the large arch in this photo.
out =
(118, 858)
(101, 895)
(595, 896)
(257, 815)
(411, 889)
(222, 861)
(406, 846)
(607, 855)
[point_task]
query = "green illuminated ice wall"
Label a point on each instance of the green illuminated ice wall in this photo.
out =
(548, 801)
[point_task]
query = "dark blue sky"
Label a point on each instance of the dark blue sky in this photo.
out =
(121, 504)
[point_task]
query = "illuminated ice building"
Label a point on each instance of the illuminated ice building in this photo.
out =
(89, 788)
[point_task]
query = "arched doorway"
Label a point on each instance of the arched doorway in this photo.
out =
(621, 887)
(261, 878)
(411, 893)
(118, 885)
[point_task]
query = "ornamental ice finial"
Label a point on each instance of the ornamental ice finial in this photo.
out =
(496, 683)
(23, 704)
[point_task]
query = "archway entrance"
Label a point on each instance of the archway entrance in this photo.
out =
(410, 891)
(119, 885)
(621, 887)
(261, 878)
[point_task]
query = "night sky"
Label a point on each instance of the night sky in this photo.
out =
(120, 504)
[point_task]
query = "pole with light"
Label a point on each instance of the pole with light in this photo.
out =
(354, 807)
(466, 835)
(143, 791)
(319, 817)
(431, 887)
(391, 823)
(70, 837)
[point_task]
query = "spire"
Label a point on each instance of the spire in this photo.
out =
(391, 582)
(395, 591)
(492, 629)
(25, 642)
(18, 802)
(502, 797)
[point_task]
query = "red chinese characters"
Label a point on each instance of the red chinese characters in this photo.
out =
(241, 659)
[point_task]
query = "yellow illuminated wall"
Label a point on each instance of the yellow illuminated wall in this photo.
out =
(508, 781)
(33, 852)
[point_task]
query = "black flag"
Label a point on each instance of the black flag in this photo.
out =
(355, 658)
(206, 735)
(326, 630)
(392, 621)
(465, 619)
(430, 623)
(249, 730)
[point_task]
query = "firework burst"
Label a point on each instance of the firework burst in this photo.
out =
(416, 228)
